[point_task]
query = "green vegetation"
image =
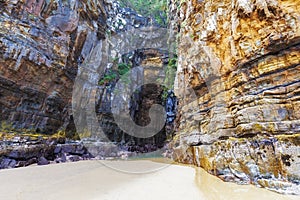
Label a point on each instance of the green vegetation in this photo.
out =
(170, 72)
(113, 75)
(123, 68)
(6, 127)
(108, 77)
(157, 9)
(164, 94)
(8, 132)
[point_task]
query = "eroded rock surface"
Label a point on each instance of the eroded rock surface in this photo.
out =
(150, 64)
(20, 150)
(238, 77)
(41, 45)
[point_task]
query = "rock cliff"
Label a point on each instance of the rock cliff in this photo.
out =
(41, 45)
(148, 64)
(237, 80)
(44, 45)
(238, 88)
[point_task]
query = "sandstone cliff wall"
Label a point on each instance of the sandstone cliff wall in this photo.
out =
(238, 88)
(41, 45)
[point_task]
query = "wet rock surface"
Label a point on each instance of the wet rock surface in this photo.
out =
(269, 162)
(153, 63)
(237, 77)
(21, 151)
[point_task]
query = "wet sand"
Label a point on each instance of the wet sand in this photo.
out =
(95, 180)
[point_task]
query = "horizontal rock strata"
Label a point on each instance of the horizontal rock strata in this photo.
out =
(41, 45)
(238, 82)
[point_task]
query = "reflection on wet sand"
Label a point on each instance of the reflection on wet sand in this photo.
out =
(96, 180)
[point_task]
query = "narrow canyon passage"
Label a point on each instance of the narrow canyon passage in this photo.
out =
(213, 84)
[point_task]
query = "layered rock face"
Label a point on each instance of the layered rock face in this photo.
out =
(133, 44)
(150, 64)
(41, 45)
(238, 87)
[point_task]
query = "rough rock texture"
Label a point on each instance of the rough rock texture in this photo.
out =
(41, 45)
(22, 150)
(131, 41)
(238, 86)
(123, 19)
(152, 62)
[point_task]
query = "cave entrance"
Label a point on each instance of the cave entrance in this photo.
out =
(151, 62)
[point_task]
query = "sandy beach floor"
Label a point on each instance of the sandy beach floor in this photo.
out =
(96, 180)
